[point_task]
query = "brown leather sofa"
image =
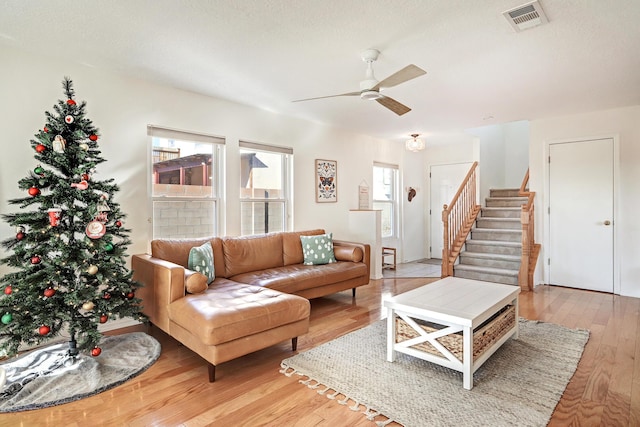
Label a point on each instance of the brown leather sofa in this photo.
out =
(260, 295)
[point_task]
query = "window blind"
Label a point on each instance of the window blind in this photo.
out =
(182, 135)
(265, 147)
(385, 165)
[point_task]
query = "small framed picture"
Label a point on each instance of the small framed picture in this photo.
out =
(326, 181)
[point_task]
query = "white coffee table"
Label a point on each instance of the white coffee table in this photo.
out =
(458, 305)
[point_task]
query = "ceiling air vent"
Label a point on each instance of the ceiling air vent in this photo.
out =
(526, 16)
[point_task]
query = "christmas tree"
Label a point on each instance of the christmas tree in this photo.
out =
(68, 268)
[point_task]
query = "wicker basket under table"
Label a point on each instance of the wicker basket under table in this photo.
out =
(484, 336)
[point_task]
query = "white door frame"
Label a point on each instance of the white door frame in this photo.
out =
(616, 198)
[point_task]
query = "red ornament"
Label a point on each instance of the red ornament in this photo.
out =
(35, 259)
(34, 191)
(71, 102)
(49, 292)
(104, 318)
(8, 290)
(40, 148)
(46, 129)
(95, 351)
(20, 235)
(93, 137)
(130, 295)
(118, 223)
(106, 295)
(44, 330)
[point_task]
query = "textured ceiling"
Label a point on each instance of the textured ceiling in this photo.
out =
(268, 53)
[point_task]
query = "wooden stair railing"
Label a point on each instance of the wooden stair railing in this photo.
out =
(457, 219)
(530, 249)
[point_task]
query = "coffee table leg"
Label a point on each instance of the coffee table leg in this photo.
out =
(391, 334)
(515, 303)
(467, 358)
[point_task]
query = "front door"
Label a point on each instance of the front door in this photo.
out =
(581, 190)
(445, 180)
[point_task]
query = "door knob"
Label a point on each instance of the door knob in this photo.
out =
(607, 222)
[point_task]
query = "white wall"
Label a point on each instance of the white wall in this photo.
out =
(516, 149)
(625, 124)
(121, 107)
(413, 213)
(504, 155)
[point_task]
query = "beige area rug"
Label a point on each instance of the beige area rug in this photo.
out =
(520, 385)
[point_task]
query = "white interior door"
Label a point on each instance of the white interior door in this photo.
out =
(444, 183)
(581, 190)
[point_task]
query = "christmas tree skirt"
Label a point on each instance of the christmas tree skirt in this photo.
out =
(48, 376)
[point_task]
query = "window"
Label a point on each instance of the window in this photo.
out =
(265, 188)
(385, 190)
(185, 183)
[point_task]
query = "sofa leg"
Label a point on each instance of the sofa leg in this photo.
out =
(294, 344)
(353, 292)
(212, 373)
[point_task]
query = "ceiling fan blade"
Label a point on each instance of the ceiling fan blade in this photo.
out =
(329, 96)
(407, 73)
(393, 105)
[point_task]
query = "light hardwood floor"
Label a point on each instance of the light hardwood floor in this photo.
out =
(250, 391)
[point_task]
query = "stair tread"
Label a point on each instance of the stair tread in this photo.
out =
(507, 198)
(494, 242)
(501, 208)
(484, 218)
(502, 230)
(488, 270)
(501, 257)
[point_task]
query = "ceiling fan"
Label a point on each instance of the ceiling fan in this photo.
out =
(370, 87)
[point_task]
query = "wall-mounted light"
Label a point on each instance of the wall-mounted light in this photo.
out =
(414, 144)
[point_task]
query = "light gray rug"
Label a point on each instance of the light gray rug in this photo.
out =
(520, 384)
(47, 376)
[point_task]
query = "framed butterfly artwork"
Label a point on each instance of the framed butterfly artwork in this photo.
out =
(326, 181)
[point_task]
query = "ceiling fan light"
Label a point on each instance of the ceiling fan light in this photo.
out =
(414, 144)
(370, 95)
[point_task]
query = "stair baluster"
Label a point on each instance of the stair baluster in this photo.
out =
(457, 220)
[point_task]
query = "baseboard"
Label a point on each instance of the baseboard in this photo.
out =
(118, 324)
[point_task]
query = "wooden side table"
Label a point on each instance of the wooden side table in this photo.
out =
(386, 251)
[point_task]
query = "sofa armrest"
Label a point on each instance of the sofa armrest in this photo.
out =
(365, 248)
(163, 283)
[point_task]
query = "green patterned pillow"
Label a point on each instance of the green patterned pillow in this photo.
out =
(201, 260)
(318, 249)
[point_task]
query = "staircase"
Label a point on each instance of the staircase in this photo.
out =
(493, 251)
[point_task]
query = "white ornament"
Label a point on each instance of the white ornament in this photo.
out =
(59, 144)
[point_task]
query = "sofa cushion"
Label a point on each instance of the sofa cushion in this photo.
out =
(318, 250)
(174, 250)
(250, 253)
(291, 246)
(194, 282)
(229, 310)
(298, 277)
(177, 251)
(201, 260)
